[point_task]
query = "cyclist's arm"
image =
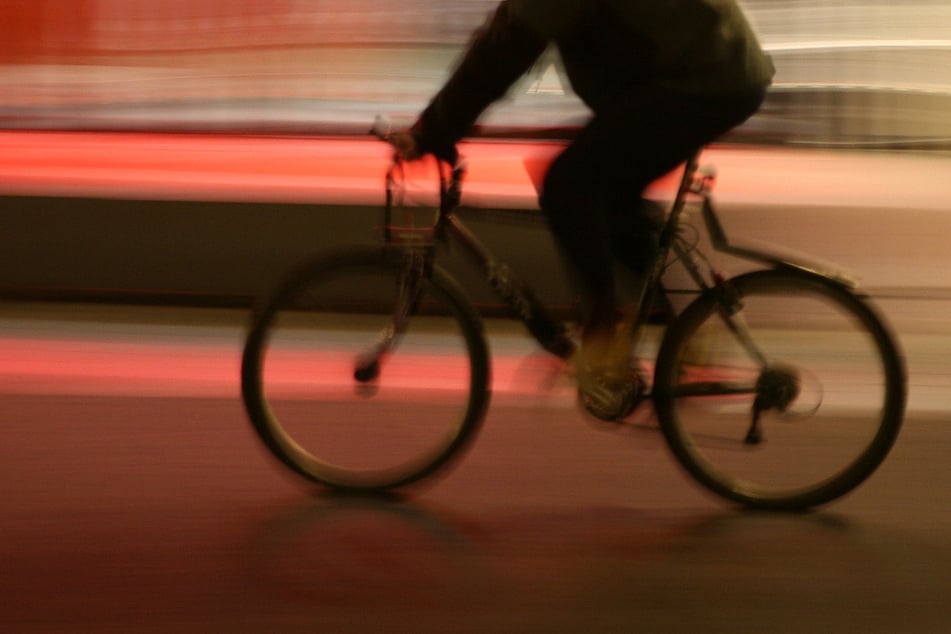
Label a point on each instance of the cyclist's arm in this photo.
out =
(500, 52)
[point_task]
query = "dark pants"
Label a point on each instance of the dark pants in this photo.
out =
(592, 194)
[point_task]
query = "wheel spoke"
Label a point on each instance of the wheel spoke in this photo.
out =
(346, 406)
(813, 422)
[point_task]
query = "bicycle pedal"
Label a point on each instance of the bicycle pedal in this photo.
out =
(612, 404)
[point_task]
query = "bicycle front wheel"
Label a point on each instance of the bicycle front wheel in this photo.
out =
(361, 374)
(788, 399)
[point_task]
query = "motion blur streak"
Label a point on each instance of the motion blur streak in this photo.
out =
(85, 350)
(135, 494)
(862, 72)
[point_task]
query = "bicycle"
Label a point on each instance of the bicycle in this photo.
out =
(779, 388)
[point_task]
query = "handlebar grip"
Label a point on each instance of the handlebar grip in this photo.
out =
(382, 128)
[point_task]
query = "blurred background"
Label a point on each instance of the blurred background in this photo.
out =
(182, 154)
(863, 72)
(247, 93)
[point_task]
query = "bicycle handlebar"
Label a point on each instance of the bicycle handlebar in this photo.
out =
(451, 172)
(383, 129)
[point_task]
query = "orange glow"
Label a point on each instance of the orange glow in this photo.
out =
(140, 366)
(328, 170)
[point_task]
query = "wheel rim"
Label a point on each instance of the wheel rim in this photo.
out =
(374, 429)
(815, 445)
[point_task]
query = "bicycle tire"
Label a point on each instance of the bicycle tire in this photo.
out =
(335, 426)
(834, 372)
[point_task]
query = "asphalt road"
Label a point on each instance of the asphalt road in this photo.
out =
(136, 499)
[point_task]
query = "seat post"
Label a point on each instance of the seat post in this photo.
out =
(686, 180)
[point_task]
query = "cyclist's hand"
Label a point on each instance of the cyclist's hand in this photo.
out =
(407, 145)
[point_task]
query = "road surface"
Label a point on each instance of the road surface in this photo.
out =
(136, 499)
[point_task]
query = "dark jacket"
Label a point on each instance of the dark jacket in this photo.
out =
(689, 47)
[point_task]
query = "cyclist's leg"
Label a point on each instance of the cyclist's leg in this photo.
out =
(591, 197)
(571, 200)
(581, 195)
(592, 192)
(577, 213)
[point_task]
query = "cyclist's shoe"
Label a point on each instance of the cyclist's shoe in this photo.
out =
(607, 386)
(610, 398)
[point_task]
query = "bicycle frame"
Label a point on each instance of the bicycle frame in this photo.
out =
(518, 296)
(550, 332)
(742, 366)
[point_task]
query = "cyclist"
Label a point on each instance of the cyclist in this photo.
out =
(661, 78)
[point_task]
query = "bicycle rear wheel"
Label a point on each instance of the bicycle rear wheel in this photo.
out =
(348, 393)
(807, 421)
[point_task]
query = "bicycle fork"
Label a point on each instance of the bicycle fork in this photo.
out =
(413, 272)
